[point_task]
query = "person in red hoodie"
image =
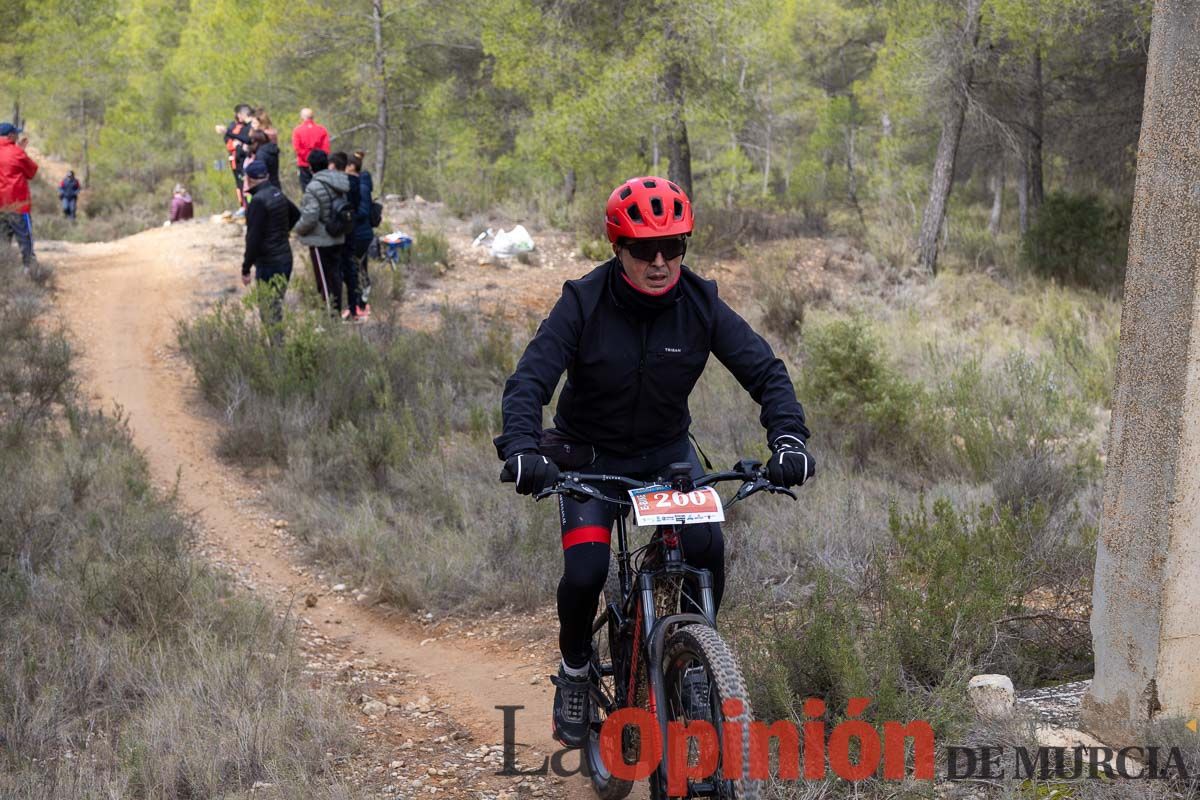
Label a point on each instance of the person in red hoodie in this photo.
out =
(16, 168)
(306, 137)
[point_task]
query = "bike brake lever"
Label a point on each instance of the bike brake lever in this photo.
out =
(773, 489)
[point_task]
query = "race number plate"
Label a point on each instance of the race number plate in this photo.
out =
(661, 505)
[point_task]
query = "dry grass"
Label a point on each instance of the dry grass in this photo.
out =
(127, 667)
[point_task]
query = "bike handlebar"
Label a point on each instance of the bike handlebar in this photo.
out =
(580, 485)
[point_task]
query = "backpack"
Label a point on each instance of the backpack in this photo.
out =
(376, 214)
(341, 216)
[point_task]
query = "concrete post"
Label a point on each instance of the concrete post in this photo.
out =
(1146, 616)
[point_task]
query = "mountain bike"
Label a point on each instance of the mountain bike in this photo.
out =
(655, 644)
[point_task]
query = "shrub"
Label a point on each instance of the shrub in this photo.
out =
(594, 249)
(1018, 426)
(1077, 241)
(366, 423)
(430, 248)
(128, 667)
(863, 404)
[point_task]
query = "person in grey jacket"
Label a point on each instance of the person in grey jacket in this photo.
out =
(315, 212)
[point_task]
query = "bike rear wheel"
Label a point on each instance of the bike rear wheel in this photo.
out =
(699, 674)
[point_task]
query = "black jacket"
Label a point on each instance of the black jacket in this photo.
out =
(629, 375)
(269, 218)
(363, 232)
(269, 154)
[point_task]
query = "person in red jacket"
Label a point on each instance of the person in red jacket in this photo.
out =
(16, 168)
(306, 137)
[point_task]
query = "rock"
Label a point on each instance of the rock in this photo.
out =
(992, 695)
(281, 523)
(310, 600)
(340, 587)
(374, 708)
(393, 701)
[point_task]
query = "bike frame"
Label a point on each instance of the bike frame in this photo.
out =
(634, 614)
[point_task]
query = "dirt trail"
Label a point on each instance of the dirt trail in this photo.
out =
(122, 300)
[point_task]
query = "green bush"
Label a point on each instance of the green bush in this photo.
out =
(864, 405)
(1077, 241)
(1019, 426)
(431, 248)
(595, 248)
(910, 630)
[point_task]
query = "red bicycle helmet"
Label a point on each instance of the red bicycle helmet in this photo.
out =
(647, 208)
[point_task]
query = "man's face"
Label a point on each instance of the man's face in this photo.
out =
(647, 267)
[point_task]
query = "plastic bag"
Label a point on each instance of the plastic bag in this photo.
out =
(507, 244)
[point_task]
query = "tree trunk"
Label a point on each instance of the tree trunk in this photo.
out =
(1023, 197)
(381, 95)
(1144, 621)
(769, 118)
(997, 202)
(1034, 135)
(569, 186)
(679, 151)
(851, 165)
(961, 74)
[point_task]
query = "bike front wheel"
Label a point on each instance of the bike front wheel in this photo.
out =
(700, 674)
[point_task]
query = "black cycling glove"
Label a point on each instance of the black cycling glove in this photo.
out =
(531, 472)
(790, 464)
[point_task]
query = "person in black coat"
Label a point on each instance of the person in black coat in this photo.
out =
(359, 241)
(266, 151)
(633, 336)
(269, 219)
(68, 194)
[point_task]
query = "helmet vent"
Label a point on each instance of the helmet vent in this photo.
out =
(675, 188)
(626, 192)
(649, 184)
(656, 206)
(678, 210)
(635, 213)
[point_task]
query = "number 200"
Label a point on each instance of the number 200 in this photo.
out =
(679, 499)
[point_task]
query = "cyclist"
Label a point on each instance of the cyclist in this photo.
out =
(633, 336)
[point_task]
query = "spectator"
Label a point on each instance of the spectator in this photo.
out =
(269, 217)
(16, 168)
(262, 121)
(306, 137)
(316, 212)
(364, 232)
(267, 151)
(346, 266)
(181, 205)
(237, 142)
(68, 194)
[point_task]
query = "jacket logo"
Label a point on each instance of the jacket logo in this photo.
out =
(673, 349)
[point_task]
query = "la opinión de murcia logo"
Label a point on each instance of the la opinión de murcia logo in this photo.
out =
(854, 750)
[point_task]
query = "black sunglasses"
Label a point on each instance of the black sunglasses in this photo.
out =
(647, 249)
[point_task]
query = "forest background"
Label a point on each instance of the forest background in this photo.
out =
(849, 116)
